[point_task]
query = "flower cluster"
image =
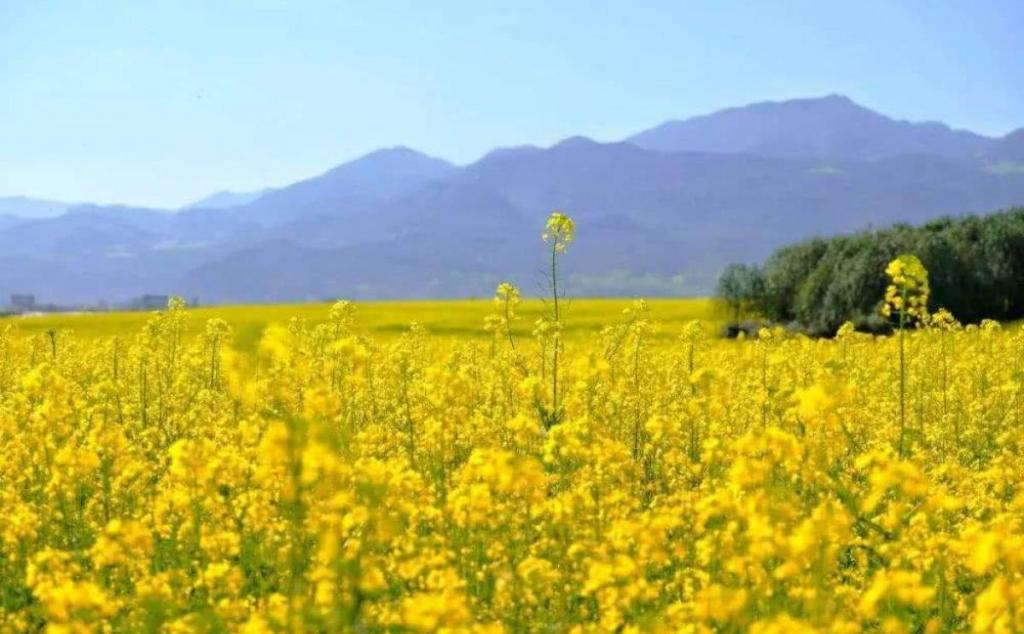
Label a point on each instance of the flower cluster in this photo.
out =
(560, 231)
(907, 293)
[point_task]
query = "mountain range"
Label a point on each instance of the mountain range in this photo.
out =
(658, 213)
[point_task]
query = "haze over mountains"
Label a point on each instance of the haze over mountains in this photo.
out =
(658, 213)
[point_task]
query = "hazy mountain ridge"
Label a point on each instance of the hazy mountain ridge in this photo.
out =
(227, 199)
(349, 187)
(828, 127)
(673, 219)
(652, 220)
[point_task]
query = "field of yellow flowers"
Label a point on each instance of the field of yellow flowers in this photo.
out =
(331, 481)
(381, 320)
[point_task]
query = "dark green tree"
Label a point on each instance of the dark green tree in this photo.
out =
(976, 265)
(741, 288)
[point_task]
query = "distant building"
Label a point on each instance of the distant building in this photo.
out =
(152, 302)
(23, 301)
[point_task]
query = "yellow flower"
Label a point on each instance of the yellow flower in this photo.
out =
(907, 293)
(560, 230)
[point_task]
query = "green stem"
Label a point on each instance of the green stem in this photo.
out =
(903, 371)
(556, 342)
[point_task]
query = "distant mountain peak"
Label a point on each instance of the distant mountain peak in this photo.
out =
(507, 152)
(397, 150)
(576, 141)
(399, 158)
(396, 154)
(831, 99)
(833, 126)
(350, 187)
(225, 199)
(801, 106)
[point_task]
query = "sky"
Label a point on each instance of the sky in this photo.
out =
(161, 103)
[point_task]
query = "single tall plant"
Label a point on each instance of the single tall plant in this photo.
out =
(560, 231)
(907, 296)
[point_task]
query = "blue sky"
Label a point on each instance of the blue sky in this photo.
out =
(160, 103)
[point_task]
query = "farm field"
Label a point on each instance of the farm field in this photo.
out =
(421, 386)
(383, 319)
(341, 475)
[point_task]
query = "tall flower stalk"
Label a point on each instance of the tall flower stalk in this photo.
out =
(560, 231)
(907, 296)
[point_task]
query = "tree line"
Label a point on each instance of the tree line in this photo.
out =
(976, 266)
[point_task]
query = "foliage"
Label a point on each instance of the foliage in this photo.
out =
(740, 287)
(976, 265)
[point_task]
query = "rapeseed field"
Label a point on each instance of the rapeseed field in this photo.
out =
(333, 478)
(383, 320)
